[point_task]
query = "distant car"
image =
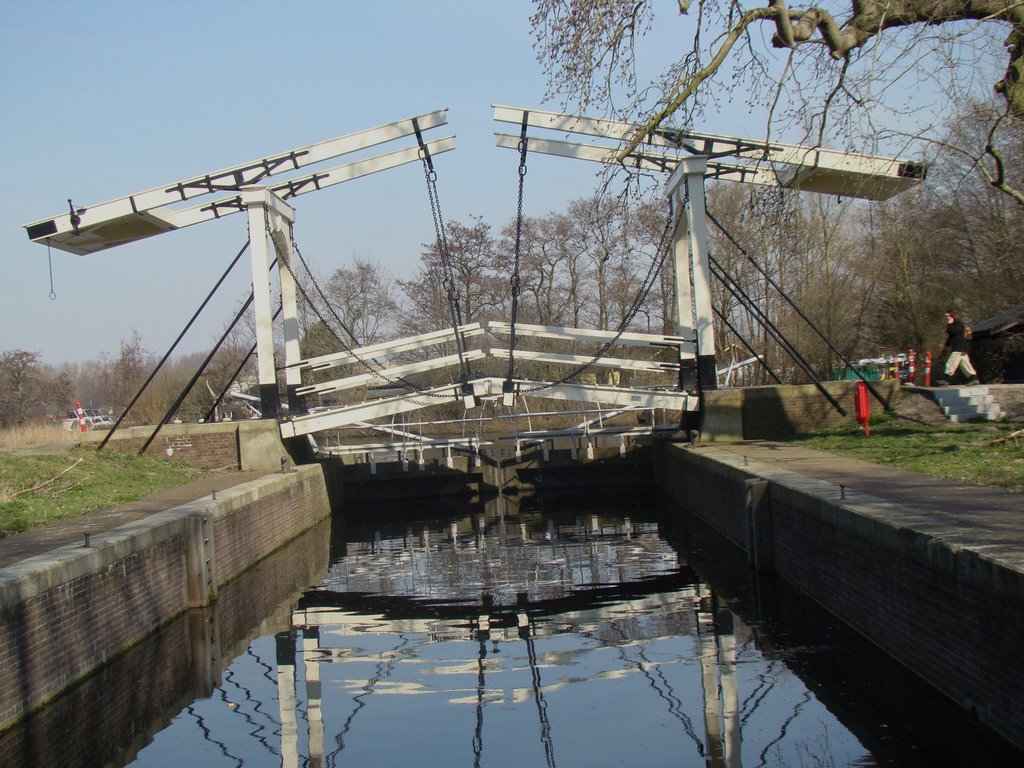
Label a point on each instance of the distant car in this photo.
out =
(94, 419)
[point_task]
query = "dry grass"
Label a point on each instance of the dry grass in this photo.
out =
(39, 434)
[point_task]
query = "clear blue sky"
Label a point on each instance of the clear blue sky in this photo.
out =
(105, 99)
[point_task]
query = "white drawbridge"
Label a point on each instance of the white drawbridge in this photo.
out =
(266, 189)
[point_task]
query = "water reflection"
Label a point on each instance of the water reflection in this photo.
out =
(522, 637)
(505, 635)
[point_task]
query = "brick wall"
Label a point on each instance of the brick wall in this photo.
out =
(270, 520)
(168, 670)
(953, 616)
(66, 613)
(80, 611)
(207, 450)
(105, 721)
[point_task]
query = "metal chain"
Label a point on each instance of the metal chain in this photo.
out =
(516, 260)
(447, 273)
(49, 258)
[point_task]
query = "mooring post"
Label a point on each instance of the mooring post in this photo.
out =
(760, 547)
(199, 564)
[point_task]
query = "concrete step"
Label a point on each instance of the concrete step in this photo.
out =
(985, 416)
(968, 403)
(988, 411)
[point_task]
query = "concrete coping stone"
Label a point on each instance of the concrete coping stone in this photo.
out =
(36, 575)
(968, 549)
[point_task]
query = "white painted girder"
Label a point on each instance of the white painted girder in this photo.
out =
(485, 387)
(298, 426)
(140, 215)
(628, 339)
(619, 396)
(646, 159)
(602, 362)
(390, 375)
(405, 344)
(814, 169)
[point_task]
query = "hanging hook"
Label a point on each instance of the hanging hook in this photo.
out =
(49, 258)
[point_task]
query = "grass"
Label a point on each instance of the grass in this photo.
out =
(986, 453)
(37, 434)
(37, 489)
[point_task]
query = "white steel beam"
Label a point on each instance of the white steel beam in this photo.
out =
(263, 206)
(281, 236)
(542, 434)
(627, 339)
(302, 185)
(602, 362)
(619, 396)
(645, 159)
(133, 217)
(405, 344)
(457, 443)
(389, 374)
(812, 168)
(374, 409)
(484, 387)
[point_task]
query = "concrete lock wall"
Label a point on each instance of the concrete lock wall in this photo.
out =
(766, 413)
(952, 615)
(67, 612)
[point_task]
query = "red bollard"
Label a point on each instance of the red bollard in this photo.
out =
(911, 358)
(861, 406)
(927, 369)
(81, 415)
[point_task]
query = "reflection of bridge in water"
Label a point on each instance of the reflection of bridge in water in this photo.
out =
(549, 606)
(680, 365)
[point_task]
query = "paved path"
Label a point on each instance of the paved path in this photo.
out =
(978, 510)
(36, 541)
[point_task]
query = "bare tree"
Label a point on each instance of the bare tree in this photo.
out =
(845, 68)
(478, 277)
(27, 390)
(365, 300)
(546, 296)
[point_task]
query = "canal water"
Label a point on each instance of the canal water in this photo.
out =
(520, 632)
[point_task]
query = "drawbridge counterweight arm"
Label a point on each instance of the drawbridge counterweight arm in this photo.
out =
(134, 217)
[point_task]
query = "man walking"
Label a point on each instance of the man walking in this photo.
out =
(958, 345)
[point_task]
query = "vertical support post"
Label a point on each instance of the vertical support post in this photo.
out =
(683, 294)
(281, 235)
(731, 726)
(693, 270)
(704, 314)
(199, 561)
(693, 287)
(760, 540)
(709, 683)
(259, 202)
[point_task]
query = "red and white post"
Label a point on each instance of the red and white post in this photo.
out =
(81, 416)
